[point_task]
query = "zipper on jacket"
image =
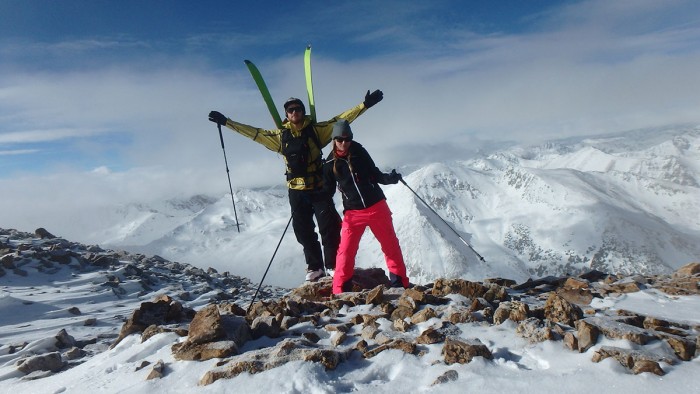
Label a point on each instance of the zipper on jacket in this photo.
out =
(359, 193)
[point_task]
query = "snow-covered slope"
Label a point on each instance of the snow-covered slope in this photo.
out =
(627, 203)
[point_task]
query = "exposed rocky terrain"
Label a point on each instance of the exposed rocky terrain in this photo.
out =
(214, 318)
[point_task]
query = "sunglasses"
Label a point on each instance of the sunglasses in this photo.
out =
(346, 139)
(294, 109)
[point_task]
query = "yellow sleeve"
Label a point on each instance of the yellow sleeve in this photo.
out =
(325, 129)
(268, 138)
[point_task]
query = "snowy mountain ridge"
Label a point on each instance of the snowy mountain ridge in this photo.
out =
(627, 203)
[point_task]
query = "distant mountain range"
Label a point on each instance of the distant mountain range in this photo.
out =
(623, 203)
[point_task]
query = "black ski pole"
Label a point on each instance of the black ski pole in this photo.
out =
(270, 263)
(443, 220)
(230, 188)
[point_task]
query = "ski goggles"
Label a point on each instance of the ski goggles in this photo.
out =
(341, 139)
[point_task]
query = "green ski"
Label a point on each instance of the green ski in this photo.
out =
(309, 83)
(257, 77)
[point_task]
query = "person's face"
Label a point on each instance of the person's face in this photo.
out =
(342, 143)
(295, 113)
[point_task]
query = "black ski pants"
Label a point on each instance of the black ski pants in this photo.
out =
(305, 204)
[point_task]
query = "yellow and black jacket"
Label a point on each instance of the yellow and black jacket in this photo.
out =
(272, 140)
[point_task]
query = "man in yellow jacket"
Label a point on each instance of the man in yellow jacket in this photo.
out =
(300, 142)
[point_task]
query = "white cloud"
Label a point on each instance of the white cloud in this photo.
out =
(590, 67)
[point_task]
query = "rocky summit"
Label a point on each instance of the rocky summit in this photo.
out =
(213, 315)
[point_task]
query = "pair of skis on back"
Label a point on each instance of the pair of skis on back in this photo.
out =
(262, 86)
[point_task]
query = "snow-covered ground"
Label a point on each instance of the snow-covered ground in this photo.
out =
(33, 308)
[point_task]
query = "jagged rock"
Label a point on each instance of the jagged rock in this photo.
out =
(449, 376)
(593, 276)
(559, 310)
(313, 291)
(64, 340)
(153, 330)
(8, 262)
(690, 269)
(500, 281)
(369, 278)
(386, 337)
(375, 296)
(548, 281)
(570, 341)
(535, 330)
(369, 332)
(579, 296)
(423, 315)
(401, 312)
(344, 327)
(143, 365)
(463, 351)
(513, 310)
(231, 309)
(401, 325)
(43, 234)
(681, 283)
(204, 351)
(157, 371)
(151, 313)
(443, 287)
(206, 326)
(635, 360)
(266, 359)
(622, 287)
(684, 349)
(400, 344)
(458, 314)
(266, 326)
(338, 338)
(429, 336)
(479, 304)
(573, 283)
(642, 366)
(43, 362)
(311, 337)
(362, 346)
(409, 303)
(587, 335)
(74, 353)
(617, 330)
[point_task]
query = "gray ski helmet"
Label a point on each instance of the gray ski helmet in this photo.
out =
(293, 100)
(341, 128)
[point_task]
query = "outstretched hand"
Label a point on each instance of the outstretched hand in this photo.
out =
(394, 177)
(373, 98)
(217, 117)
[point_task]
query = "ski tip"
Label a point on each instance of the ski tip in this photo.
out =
(246, 61)
(308, 47)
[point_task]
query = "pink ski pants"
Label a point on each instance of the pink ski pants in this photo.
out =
(378, 218)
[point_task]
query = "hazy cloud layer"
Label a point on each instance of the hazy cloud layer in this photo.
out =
(580, 68)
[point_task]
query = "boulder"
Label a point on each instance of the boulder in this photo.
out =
(43, 362)
(463, 351)
(559, 310)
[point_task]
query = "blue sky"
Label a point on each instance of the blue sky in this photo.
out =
(110, 98)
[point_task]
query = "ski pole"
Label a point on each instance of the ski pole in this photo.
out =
(269, 264)
(221, 136)
(443, 220)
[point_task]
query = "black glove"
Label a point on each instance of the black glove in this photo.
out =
(373, 98)
(217, 117)
(393, 178)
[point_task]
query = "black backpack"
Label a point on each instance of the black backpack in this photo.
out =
(297, 151)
